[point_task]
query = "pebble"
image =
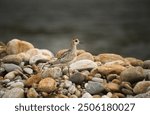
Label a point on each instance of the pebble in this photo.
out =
(14, 93)
(72, 89)
(147, 74)
(134, 61)
(67, 83)
(127, 91)
(38, 58)
(2, 70)
(98, 75)
(2, 93)
(84, 56)
(77, 78)
(141, 87)
(17, 84)
(11, 67)
(83, 65)
(146, 64)
(143, 95)
(11, 75)
(112, 87)
(108, 57)
(132, 74)
(73, 96)
(34, 79)
(5, 81)
(111, 69)
(47, 85)
(110, 77)
(32, 93)
(87, 95)
(16, 46)
(28, 70)
(94, 87)
(12, 59)
(100, 80)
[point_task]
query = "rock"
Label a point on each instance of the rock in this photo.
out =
(32, 93)
(119, 95)
(5, 81)
(16, 59)
(134, 61)
(17, 84)
(132, 74)
(67, 83)
(87, 95)
(83, 65)
(94, 87)
(127, 91)
(16, 46)
(78, 93)
(141, 87)
(72, 89)
(14, 93)
(146, 64)
(2, 70)
(11, 75)
(98, 75)
(47, 53)
(84, 56)
(73, 96)
(34, 79)
(147, 74)
(111, 69)
(112, 87)
(24, 56)
(110, 77)
(143, 95)
(100, 80)
(47, 85)
(108, 57)
(2, 93)
(77, 78)
(28, 70)
(11, 67)
(38, 58)
(52, 72)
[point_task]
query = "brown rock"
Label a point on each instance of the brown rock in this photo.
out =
(127, 91)
(112, 87)
(110, 77)
(32, 93)
(85, 55)
(141, 87)
(47, 85)
(16, 46)
(33, 79)
(120, 95)
(146, 64)
(134, 61)
(12, 59)
(132, 74)
(108, 57)
(111, 69)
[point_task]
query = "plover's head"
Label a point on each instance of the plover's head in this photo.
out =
(75, 41)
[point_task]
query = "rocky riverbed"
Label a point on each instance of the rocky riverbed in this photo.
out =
(25, 73)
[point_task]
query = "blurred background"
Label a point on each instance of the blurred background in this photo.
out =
(114, 26)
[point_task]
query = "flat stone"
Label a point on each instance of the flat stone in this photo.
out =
(28, 70)
(77, 78)
(16, 46)
(14, 93)
(83, 65)
(141, 87)
(11, 67)
(94, 87)
(47, 85)
(132, 74)
(111, 69)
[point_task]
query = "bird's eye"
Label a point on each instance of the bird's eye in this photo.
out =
(76, 40)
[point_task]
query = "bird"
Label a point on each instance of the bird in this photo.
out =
(68, 56)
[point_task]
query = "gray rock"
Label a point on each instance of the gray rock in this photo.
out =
(17, 84)
(147, 74)
(87, 95)
(1, 70)
(100, 80)
(143, 95)
(83, 65)
(132, 74)
(11, 67)
(72, 89)
(11, 75)
(28, 70)
(146, 64)
(1, 93)
(67, 84)
(94, 87)
(14, 93)
(77, 78)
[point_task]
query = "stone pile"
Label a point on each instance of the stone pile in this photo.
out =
(22, 74)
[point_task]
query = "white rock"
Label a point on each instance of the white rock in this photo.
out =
(17, 84)
(87, 95)
(28, 70)
(83, 64)
(72, 89)
(67, 84)
(11, 75)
